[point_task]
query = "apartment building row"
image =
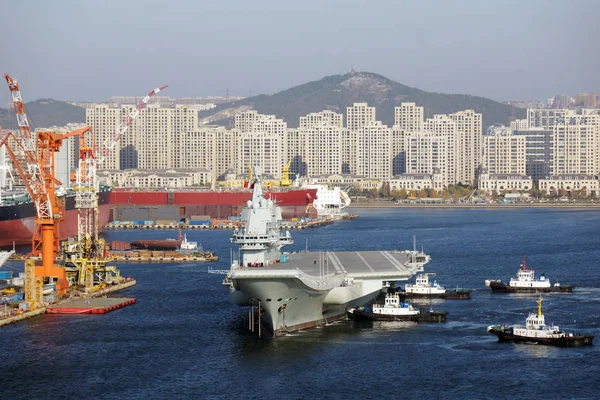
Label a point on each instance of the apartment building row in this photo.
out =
(552, 148)
(162, 138)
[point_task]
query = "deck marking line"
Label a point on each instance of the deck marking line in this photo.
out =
(365, 261)
(393, 261)
(336, 262)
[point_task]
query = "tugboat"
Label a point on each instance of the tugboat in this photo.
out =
(395, 310)
(525, 282)
(187, 247)
(536, 331)
(424, 289)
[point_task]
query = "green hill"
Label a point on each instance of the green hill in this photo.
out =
(337, 92)
(44, 113)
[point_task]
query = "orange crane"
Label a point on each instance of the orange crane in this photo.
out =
(33, 158)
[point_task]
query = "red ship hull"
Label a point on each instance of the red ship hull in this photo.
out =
(18, 222)
(142, 205)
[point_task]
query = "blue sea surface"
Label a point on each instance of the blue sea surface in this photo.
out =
(182, 339)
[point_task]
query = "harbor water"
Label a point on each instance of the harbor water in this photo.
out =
(182, 339)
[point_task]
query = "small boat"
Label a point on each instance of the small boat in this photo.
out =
(525, 282)
(423, 288)
(395, 310)
(535, 331)
(187, 246)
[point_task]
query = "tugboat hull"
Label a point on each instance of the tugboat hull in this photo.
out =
(501, 287)
(432, 316)
(460, 294)
(565, 341)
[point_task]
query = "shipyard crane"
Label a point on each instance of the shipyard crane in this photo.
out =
(285, 174)
(33, 158)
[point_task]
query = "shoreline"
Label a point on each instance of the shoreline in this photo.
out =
(480, 206)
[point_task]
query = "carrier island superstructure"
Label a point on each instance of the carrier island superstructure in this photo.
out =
(301, 290)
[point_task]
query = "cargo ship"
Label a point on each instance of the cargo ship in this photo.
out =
(17, 212)
(134, 205)
(18, 215)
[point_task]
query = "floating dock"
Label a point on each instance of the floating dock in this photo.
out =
(124, 258)
(90, 306)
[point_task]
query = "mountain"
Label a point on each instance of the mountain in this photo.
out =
(337, 92)
(43, 113)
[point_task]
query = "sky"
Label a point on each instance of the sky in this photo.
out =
(501, 49)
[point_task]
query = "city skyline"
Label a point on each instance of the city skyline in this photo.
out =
(507, 53)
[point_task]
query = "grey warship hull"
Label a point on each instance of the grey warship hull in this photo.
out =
(311, 289)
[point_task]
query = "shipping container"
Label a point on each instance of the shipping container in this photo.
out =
(200, 218)
(148, 222)
(166, 222)
(283, 258)
(234, 218)
(199, 223)
(24, 306)
(6, 274)
(18, 297)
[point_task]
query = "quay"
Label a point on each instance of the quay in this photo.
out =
(106, 304)
(231, 224)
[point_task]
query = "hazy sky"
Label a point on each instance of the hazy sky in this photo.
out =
(90, 50)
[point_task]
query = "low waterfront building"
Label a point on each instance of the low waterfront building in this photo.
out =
(168, 178)
(416, 182)
(345, 180)
(585, 184)
(504, 182)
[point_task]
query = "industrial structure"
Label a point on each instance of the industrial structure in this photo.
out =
(85, 257)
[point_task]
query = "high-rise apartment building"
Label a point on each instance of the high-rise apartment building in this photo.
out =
(151, 142)
(408, 117)
(426, 153)
(538, 152)
(469, 129)
(519, 124)
(575, 146)
(359, 115)
(372, 157)
(327, 118)
(504, 153)
(544, 118)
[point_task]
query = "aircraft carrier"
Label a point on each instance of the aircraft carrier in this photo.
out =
(302, 290)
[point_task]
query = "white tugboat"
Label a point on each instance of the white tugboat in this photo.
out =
(187, 246)
(423, 288)
(301, 290)
(525, 282)
(394, 309)
(536, 331)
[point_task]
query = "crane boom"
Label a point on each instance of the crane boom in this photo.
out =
(13, 86)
